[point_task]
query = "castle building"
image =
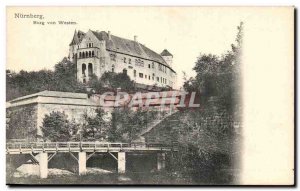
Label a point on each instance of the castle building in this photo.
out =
(97, 52)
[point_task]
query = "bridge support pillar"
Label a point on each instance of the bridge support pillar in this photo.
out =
(121, 162)
(43, 164)
(161, 161)
(82, 163)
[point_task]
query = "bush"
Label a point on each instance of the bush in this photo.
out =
(57, 128)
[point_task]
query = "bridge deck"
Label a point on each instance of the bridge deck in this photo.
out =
(53, 147)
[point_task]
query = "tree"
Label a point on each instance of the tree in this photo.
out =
(63, 78)
(219, 75)
(207, 135)
(56, 127)
(95, 128)
(119, 121)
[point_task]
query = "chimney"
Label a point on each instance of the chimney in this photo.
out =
(135, 38)
(109, 36)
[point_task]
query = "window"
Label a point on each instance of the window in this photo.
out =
(159, 67)
(149, 66)
(90, 69)
(134, 73)
(149, 77)
(90, 54)
(113, 68)
(93, 53)
(83, 56)
(146, 76)
(153, 76)
(152, 64)
(112, 57)
(79, 54)
(83, 68)
(141, 75)
(129, 61)
(124, 59)
(139, 62)
(124, 71)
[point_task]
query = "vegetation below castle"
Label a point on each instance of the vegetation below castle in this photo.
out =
(63, 78)
(209, 137)
(124, 125)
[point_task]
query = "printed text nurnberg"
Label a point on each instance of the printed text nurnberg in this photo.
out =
(28, 16)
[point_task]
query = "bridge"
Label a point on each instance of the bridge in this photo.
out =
(42, 152)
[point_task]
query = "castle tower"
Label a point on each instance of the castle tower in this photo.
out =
(167, 56)
(73, 46)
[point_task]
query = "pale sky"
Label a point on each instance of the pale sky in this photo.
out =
(185, 32)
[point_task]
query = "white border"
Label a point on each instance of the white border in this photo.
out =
(4, 3)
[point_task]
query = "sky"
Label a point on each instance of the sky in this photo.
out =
(185, 32)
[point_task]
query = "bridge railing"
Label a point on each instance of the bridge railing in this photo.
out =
(21, 146)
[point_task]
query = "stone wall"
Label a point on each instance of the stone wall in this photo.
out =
(22, 122)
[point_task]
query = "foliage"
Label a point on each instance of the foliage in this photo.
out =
(95, 127)
(111, 81)
(127, 124)
(63, 78)
(56, 127)
(208, 136)
(219, 75)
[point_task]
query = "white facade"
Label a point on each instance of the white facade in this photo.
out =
(99, 52)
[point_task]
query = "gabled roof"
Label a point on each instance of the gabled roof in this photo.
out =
(130, 47)
(165, 52)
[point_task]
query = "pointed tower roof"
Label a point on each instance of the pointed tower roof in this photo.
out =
(77, 37)
(165, 52)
